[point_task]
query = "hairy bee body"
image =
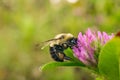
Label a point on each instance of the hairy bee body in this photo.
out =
(59, 44)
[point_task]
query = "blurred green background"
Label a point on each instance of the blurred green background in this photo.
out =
(24, 23)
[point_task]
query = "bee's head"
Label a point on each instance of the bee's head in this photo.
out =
(72, 42)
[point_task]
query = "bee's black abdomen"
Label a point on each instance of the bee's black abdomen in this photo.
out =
(57, 53)
(54, 54)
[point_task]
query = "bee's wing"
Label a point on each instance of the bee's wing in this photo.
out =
(42, 45)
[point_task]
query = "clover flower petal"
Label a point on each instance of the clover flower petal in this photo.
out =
(87, 44)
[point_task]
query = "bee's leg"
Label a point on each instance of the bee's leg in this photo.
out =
(67, 58)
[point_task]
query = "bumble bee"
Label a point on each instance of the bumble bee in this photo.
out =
(58, 44)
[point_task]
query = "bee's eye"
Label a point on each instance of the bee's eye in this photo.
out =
(72, 41)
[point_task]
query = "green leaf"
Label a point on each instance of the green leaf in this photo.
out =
(56, 64)
(109, 60)
(99, 78)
